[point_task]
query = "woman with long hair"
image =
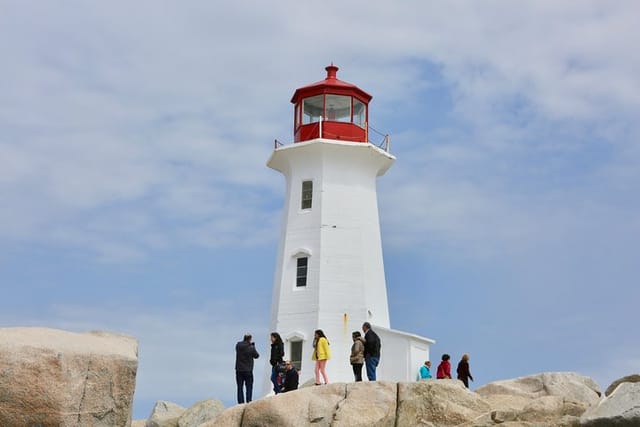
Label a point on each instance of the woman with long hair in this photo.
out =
(276, 359)
(321, 354)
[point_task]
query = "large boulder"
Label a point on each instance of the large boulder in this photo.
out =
(365, 404)
(50, 377)
(633, 378)
(620, 408)
(438, 403)
(165, 414)
(550, 399)
(569, 385)
(200, 412)
(354, 404)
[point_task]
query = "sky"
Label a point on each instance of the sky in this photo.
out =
(135, 197)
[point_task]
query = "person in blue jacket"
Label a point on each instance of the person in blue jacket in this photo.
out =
(425, 371)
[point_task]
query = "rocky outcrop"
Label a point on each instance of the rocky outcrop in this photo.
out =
(165, 414)
(50, 377)
(554, 398)
(633, 378)
(550, 399)
(620, 408)
(201, 412)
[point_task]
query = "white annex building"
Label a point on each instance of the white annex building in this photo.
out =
(329, 271)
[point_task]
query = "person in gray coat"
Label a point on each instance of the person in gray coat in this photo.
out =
(245, 354)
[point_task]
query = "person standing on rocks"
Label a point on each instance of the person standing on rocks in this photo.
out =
(464, 373)
(291, 377)
(357, 355)
(425, 371)
(245, 353)
(276, 359)
(371, 350)
(444, 368)
(321, 354)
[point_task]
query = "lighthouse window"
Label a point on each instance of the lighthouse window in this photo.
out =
(359, 113)
(338, 108)
(307, 194)
(312, 109)
(296, 354)
(301, 274)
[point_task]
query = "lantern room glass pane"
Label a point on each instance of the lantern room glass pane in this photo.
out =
(296, 117)
(312, 109)
(338, 108)
(359, 113)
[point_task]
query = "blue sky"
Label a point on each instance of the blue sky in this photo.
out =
(134, 195)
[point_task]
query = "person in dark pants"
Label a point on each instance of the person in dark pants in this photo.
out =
(276, 359)
(464, 373)
(245, 353)
(371, 350)
(357, 355)
(291, 378)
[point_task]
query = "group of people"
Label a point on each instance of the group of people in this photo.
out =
(364, 351)
(284, 376)
(444, 370)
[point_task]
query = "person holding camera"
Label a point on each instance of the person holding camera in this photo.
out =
(245, 354)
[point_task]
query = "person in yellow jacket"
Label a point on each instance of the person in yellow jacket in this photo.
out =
(321, 354)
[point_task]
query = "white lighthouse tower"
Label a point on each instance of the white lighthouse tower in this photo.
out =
(330, 271)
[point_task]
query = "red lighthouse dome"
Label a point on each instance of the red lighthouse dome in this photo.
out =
(331, 109)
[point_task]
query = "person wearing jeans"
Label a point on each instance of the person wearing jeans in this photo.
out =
(245, 354)
(371, 350)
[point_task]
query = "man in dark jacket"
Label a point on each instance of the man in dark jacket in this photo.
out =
(245, 353)
(291, 377)
(371, 350)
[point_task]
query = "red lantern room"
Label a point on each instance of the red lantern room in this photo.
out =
(331, 109)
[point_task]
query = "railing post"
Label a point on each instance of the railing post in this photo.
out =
(387, 142)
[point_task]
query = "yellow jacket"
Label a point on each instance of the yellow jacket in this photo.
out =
(321, 352)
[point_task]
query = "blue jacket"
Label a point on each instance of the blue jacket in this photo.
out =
(425, 373)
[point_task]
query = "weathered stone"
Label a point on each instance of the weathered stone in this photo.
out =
(231, 417)
(633, 378)
(305, 407)
(620, 408)
(547, 408)
(368, 404)
(502, 416)
(138, 423)
(165, 414)
(50, 377)
(201, 412)
(438, 403)
(569, 385)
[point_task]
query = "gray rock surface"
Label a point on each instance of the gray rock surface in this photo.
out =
(165, 414)
(633, 378)
(620, 408)
(201, 412)
(570, 385)
(50, 377)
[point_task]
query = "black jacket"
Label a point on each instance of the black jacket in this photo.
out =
(371, 344)
(290, 380)
(277, 353)
(245, 353)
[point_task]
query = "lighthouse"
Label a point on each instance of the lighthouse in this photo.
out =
(329, 271)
